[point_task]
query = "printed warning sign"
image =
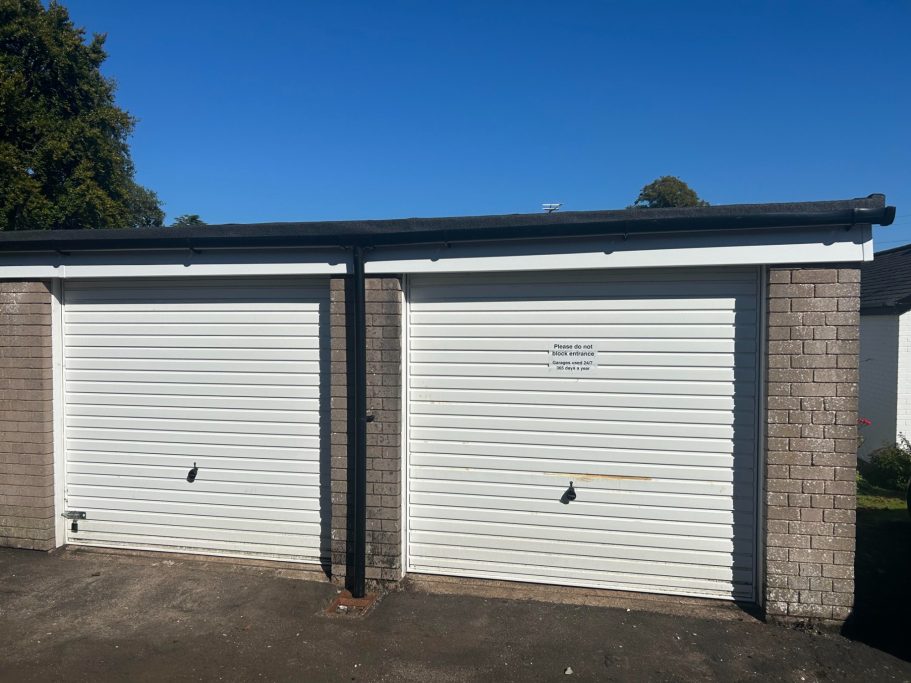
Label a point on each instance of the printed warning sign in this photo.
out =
(572, 357)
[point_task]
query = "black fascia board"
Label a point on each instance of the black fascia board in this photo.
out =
(413, 231)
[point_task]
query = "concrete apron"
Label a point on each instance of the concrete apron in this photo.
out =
(701, 608)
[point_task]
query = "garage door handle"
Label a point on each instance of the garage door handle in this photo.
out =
(569, 495)
(191, 475)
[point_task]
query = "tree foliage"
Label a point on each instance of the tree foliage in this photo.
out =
(144, 208)
(889, 467)
(64, 159)
(188, 219)
(668, 191)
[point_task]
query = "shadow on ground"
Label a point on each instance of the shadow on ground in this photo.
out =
(883, 582)
(93, 617)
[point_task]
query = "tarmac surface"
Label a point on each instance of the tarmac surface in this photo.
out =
(88, 616)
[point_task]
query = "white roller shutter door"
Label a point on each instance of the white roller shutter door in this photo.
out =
(659, 437)
(162, 374)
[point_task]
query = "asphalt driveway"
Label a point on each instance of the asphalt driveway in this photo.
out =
(75, 616)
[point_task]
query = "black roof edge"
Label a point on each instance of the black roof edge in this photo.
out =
(869, 210)
(892, 250)
(894, 309)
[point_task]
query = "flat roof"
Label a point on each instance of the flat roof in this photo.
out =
(867, 210)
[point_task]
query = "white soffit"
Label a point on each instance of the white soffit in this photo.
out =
(169, 263)
(753, 247)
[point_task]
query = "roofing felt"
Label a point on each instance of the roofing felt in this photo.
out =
(885, 282)
(870, 209)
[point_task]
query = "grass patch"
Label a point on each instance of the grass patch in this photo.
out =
(871, 497)
(893, 503)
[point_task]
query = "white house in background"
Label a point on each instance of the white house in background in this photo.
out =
(885, 348)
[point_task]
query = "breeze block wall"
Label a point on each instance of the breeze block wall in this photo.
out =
(384, 405)
(811, 460)
(26, 417)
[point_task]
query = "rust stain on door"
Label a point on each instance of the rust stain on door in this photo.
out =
(594, 477)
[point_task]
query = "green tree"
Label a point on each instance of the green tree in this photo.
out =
(64, 159)
(667, 191)
(188, 219)
(145, 208)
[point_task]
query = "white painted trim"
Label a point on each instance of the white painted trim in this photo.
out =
(706, 249)
(868, 242)
(743, 247)
(406, 343)
(762, 408)
(174, 263)
(57, 409)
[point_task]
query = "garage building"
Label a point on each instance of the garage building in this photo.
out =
(647, 400)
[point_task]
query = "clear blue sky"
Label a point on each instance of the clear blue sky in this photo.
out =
(304, 111)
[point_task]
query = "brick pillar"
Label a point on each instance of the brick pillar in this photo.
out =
(384, 433)
(26, 417)
(384, 396)
(811, 442)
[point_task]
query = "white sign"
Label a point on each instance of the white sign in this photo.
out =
(572, 357)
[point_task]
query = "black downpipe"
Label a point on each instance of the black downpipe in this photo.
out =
(356, 343)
